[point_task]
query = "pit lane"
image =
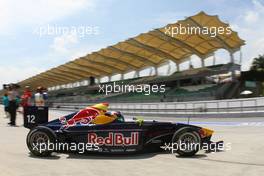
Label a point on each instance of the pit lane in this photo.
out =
(246, 136)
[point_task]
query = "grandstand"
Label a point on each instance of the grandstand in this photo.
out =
(188, 85)
(150, 50)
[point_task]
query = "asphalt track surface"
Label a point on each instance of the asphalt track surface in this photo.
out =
(244, 158)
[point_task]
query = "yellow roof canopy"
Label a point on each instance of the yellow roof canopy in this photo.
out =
(147, 49)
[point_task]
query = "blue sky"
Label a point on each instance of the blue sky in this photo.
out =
(25, 53)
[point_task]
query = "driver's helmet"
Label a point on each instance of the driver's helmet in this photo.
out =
(101, 106)
(117, 114)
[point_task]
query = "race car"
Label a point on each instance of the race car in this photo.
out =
(119, 136)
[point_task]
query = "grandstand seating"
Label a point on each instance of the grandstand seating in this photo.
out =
(189, 89)
(198, 87)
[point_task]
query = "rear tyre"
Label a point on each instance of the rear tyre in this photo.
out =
(186, 142)
(39, 139)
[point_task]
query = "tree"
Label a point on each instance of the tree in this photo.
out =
(258, 64)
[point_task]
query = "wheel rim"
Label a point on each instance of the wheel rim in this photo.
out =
(189, 142)
(38, 139)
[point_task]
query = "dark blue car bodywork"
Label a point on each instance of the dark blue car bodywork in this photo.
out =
(118, 136)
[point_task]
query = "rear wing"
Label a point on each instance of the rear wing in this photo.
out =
(35, 115)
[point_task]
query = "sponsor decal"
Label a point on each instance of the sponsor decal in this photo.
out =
(114, 139)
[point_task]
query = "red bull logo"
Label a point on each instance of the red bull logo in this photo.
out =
(114, 139)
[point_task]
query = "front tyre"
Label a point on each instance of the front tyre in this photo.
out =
(186, 142)
(39, 141)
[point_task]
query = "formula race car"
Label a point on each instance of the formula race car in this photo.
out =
(119, 136)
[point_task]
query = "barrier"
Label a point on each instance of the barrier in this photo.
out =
(212, 108)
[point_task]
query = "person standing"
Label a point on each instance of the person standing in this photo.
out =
(6, 104)
(26, 98)
(40, 97)
(12, 97)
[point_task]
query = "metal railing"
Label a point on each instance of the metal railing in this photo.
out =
(228, 106)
